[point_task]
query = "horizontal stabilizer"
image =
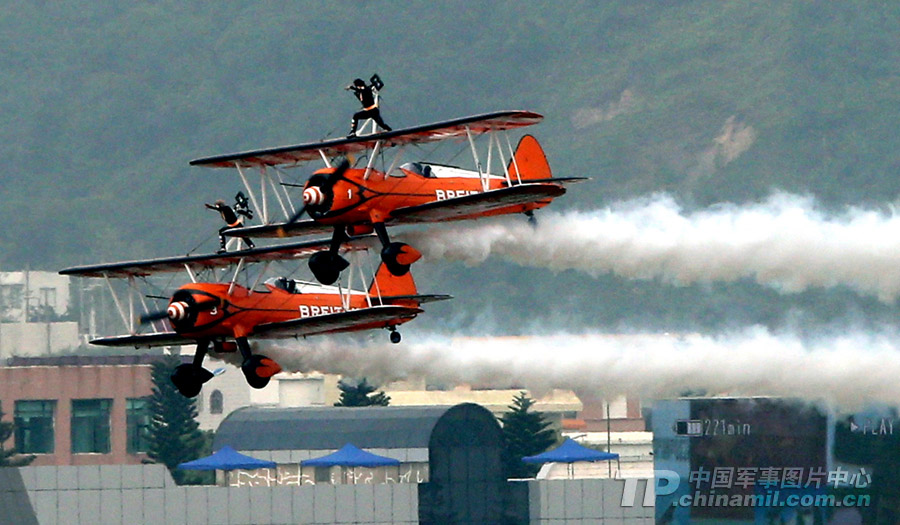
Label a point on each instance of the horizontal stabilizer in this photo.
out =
(419, 298)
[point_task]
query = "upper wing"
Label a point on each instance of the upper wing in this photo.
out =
(297, 154)
(174, 264)
(143, 340)
(337, 322)
(476, 203)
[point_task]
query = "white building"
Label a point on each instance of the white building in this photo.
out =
(34, 307)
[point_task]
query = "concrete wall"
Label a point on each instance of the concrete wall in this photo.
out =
(586, 502)
(132, 494)
(37, 339)
(128, 494)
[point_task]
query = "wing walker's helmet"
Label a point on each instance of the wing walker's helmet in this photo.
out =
(359, 82)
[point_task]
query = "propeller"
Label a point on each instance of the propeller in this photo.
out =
(179, 310)
(318, 194)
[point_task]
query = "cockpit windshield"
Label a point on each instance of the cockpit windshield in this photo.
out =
(283, 283)
(419, 169)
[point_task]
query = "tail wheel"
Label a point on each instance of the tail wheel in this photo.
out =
(398, 256)
(189, 379)
(327, 266)
(259, 369)
(395, 336)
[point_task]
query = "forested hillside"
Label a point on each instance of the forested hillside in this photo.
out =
(105, 103)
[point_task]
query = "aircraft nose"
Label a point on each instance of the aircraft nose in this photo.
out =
(177, 311)
(313, 196)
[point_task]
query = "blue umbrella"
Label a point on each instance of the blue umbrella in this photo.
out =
(350, 456)
(226, 458)
(570, 452)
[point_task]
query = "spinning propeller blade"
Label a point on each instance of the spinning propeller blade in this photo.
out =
(178, 310)
(319, 191)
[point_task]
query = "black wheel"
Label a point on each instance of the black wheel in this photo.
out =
(389, 256)
(395, 337)
(258, 370)
(327, 267)
(187, 380)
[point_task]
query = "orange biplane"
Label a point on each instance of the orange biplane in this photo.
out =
(349, 200)
(225, 315)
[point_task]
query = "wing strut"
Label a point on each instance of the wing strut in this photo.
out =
(116, 300)
(512, 155)
(247, 186)
(481, 174)
(237, 271)
(396, 161)
(374, 154)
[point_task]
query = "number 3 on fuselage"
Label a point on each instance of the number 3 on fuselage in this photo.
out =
(357, 200)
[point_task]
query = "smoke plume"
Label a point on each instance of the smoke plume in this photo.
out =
(784, 242)
(844, 371)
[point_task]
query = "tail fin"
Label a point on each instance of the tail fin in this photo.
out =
(386, 284)
(530, 162)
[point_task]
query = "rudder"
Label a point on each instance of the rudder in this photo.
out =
(388, 285)
(530, 162)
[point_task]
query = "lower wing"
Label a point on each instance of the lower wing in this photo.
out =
(361, 319)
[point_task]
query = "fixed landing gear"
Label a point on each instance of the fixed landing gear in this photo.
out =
(258, 369)
(395, 335)
(397, 256)
(189, 378)
(327, 266)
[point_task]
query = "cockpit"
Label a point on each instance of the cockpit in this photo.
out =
(419, 169)
(283, 283)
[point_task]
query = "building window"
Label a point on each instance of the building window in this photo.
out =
(90, 426)
(216, 402)
(11, 296)
(48, 297)
(137, 415)
(34, 426)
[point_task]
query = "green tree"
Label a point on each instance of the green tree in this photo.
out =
(175, 435)
(361, 394)
(525, 433)
(9, 457)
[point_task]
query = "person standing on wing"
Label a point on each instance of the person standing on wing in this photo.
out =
(366, 97)
(231, 221)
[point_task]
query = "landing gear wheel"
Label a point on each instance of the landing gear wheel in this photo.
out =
(258, 370)
(189, 379)
(395, 336)
(327, 266)
(402, 251)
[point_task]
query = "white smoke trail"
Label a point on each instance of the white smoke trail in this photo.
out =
(783, 242)
(845, 371)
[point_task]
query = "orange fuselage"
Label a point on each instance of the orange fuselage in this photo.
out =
(364, 201)
(238, 313)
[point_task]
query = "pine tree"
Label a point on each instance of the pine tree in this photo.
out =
(8, 457)
(525, 433)
(361, 395)
(174, 434)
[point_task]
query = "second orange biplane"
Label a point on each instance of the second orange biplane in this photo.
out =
(226, 315)
(354, 201)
